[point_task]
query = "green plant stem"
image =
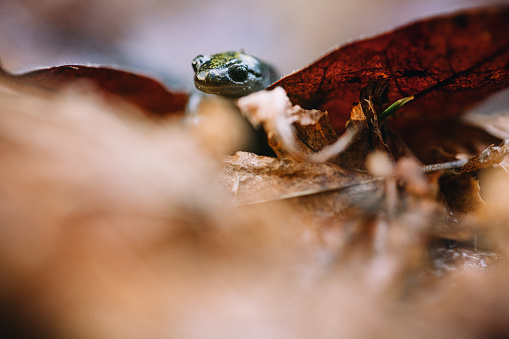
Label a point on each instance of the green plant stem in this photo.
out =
(394, 107)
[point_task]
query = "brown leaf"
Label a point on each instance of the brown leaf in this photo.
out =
(462, 190)
(448, 63)
(139, 90)
(257, 179)
(293, 133)
(492, 155)
(440, 140)
(462, 193)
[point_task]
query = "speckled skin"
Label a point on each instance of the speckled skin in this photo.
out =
(231, 74)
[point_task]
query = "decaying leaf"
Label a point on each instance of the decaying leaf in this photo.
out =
(142, 91)
(448, 63)
(293, 132)
(435, 141)
(256, 179)
(493, 155)
(462, 190)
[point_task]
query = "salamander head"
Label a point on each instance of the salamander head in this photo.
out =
(231, 74)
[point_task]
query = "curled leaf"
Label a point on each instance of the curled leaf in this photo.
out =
(493, 155)
(293, 132)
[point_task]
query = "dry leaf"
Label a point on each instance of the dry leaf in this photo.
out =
(493, 155)
(448, 63)
(139, 90)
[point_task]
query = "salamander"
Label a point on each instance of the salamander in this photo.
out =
(232, 74)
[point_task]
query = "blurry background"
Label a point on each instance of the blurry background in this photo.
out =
(161, 37)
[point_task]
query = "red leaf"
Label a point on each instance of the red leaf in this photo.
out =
(139, 90)
(448, 63)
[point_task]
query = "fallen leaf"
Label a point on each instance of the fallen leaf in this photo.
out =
(493, 155)
(460, 187)
(142, 91)
(462, 194)
(257, 179)
(439, 140)
(448, 63)
(293, 132)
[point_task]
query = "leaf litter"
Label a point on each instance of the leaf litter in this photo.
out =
(110, 208)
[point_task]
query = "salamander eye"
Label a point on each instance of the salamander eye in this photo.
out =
(198, 61)
(238, 73)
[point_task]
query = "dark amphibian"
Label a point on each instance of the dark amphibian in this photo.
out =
(232, 74)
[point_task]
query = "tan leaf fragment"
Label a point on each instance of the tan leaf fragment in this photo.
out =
(275, 113)
(293, 132)
(493, 155)
(257, 179)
